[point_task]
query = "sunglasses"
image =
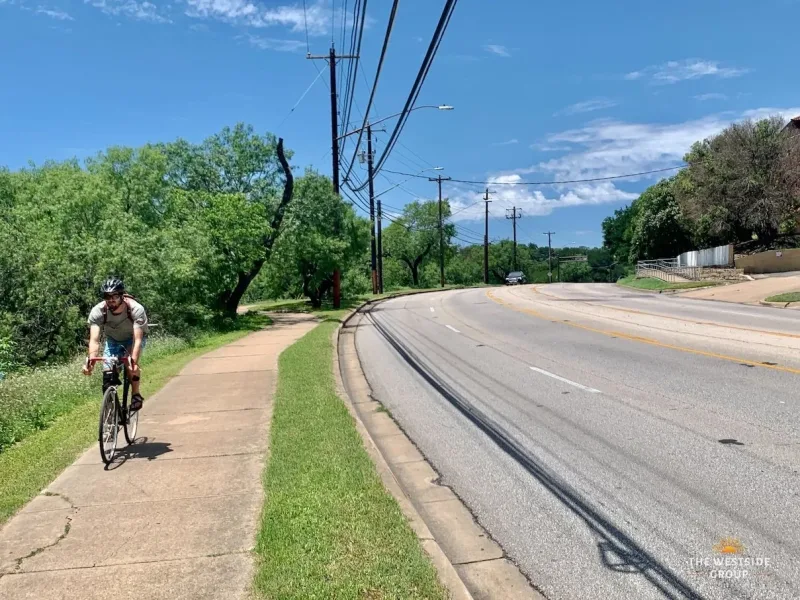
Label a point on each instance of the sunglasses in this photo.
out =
(116, 297)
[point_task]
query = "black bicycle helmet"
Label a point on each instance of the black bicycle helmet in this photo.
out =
(112, 285)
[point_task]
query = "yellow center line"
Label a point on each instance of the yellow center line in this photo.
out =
(649, 314)
(643, 340)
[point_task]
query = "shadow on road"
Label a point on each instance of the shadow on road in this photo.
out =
(141, 448)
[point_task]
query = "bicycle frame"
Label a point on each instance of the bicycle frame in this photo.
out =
(127, 364)
(122, 417)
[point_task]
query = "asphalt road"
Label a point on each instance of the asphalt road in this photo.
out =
(605, 439)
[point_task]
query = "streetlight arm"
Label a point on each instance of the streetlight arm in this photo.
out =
(437, 106)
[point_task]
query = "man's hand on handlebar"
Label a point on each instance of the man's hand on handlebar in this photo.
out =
(87, 367)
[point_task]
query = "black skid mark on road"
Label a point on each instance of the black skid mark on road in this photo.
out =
(613, 541)
(731, 442)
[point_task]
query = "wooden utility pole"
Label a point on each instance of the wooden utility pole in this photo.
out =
(370, 173)
(380, 251)
(439, 179)
(549, 256)
(514, 216)
(331, 58)
(486, 239)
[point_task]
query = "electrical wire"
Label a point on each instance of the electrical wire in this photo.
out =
(388, 34)
(356, 35)
(465, 208)
(305, 20)
(299, 100)
(547, 182)
(436, 40)
(356, 38)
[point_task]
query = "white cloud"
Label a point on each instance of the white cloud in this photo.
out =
(586, 106)
(506, 143)
(54, 14)
(140, 11)
(532, 200)
(674, 71)
(496, 49)
(712, 96)
(316, 16)
(763, 113)
(602, 148)
(275, 44)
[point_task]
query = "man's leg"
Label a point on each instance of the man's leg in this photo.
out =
(110, 377)
(136, 397)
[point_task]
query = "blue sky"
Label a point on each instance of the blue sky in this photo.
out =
(542, 90)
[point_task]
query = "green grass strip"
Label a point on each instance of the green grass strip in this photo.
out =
(29, 466)
(329, 529)
(788, 297)
(653, 283)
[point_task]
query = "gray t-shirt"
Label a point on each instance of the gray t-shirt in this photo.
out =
(120, 327)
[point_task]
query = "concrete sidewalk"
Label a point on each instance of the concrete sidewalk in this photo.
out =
(748, 292)
(176, 515)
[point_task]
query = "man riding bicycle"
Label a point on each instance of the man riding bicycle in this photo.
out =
(124, 322)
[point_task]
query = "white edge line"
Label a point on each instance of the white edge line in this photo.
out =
(451, 328)
(554, 376)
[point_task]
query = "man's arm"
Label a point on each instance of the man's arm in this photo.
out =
(94, 346)
(94, 340)
(138, 335)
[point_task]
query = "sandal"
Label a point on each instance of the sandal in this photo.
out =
(136, 402)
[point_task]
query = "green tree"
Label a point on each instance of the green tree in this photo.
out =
(413, 239)
(320, 234)
(236, 161)
(659, 229)
(742, 183)
(618, 232)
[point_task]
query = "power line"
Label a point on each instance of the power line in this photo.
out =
(305, 20)
(436, 40)
(548, 182)
(465, 208)
(303, 95)
(388, 34)
(425, 162)
(356, 36)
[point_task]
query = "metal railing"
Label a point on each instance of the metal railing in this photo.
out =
(668, 269)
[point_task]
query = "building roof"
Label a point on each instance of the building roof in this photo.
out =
(793, 123)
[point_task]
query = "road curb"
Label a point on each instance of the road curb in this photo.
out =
(492, 577)
(669, 292)
(776, 304)
(448, 575)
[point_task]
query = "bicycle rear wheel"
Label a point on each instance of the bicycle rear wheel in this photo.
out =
(109, 425)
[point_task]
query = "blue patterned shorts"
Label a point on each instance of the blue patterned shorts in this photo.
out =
(119, 349)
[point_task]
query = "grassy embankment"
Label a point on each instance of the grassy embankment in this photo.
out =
(653, 283)
(329, 529)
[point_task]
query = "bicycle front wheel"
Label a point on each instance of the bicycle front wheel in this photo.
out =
(131, 425)
(109, 425)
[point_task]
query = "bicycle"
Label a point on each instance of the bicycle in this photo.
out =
(114, 414)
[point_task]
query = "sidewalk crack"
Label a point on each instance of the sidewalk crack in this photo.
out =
(64, 497)
(32, 553)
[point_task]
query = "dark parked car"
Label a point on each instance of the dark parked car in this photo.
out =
(515, 277)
